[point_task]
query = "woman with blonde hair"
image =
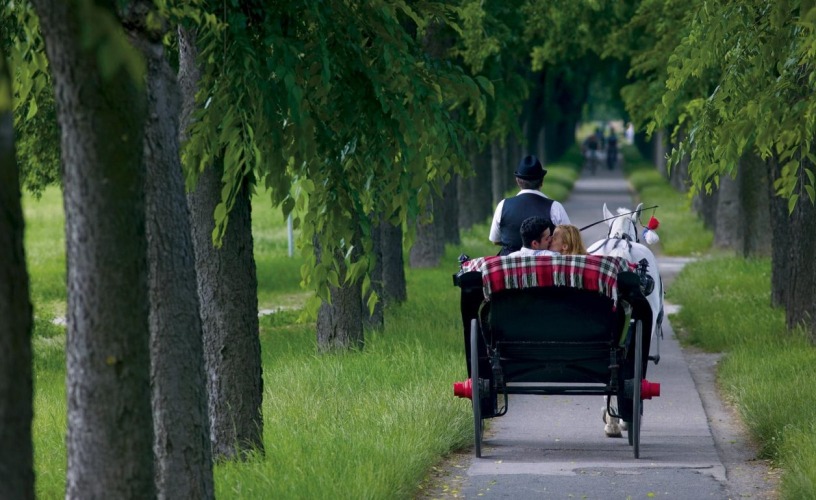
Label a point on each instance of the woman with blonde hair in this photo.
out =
(567, 240)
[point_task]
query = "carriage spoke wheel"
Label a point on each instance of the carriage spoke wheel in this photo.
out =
(637, 403)
(476, 387)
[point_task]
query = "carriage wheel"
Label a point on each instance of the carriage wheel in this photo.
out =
(637, 403)
(476, 398)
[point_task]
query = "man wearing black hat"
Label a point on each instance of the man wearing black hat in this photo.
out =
(530, 201)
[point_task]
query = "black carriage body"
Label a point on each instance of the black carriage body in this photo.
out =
(535, 337)
(553, 340)
(554, 335)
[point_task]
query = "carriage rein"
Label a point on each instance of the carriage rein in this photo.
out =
(616, 216)
(624, 236)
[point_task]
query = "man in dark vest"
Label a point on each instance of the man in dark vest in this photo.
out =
(530, 201)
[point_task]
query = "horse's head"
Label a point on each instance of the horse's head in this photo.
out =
(624, 225)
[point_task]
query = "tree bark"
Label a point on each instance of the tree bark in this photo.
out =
(429, 244)
(755, 206)
(482, 190)
(340, 323)
(466, 194)
(727, 231)
(800, 307)
(375, 319)
(393, 264)
(450, 213)
(498, 173)
(781, 247)
(678, 175)
(16, 387)
(181, 425)
(110, 426)
(228, 289)
(659, 151)
(706, 206)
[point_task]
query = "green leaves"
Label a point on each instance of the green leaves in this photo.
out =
(342, 104)
(729, 78)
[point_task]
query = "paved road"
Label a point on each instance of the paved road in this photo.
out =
(554, 446)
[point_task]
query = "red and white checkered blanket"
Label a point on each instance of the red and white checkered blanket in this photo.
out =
(587, 272)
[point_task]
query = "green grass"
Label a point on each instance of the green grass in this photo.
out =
(767, 371)
(45, 252)
(352, 425)
(681, 231)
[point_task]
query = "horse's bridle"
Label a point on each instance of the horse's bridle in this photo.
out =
(625, 236)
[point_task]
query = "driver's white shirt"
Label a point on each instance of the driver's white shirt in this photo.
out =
(557, 215)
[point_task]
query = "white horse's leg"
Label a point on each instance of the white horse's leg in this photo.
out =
(612, 427)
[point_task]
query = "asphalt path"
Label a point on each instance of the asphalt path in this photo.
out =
(555, 447)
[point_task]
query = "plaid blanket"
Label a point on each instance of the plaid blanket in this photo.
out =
(588, 272)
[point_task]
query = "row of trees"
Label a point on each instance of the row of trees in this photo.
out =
(354, 117)
(732, 83)
(725, 92)
(361, 120)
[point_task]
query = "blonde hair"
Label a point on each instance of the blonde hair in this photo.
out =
(573, 243)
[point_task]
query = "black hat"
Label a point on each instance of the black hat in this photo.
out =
(530, 169)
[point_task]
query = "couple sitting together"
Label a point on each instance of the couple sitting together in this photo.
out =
(541, 237)
(539, 234)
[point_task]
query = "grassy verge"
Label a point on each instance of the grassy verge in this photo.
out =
(354, 425)
(681, 231)
(766, 370)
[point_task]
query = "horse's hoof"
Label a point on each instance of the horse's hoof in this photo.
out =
(612, 430)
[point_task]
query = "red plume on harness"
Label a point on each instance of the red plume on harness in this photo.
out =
(649, 234)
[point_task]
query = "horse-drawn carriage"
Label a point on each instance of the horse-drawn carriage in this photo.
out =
(558, 325)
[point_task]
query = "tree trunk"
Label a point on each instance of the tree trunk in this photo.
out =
(706, 206)
(393, 264)
(110, 426)
(678, 175)
(476, 195)
(228, 288)
(727, 232)
(659, 151)
(800, 307)
(182, 439)
(16, 388)
(449, 215)
(466, 194)
(340, 323)
(429, 244)
(755, 206)
(374, 319)
(512, 155)
(498, 172)
(781, 247)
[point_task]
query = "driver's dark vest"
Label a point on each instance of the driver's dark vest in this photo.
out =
(514, 211)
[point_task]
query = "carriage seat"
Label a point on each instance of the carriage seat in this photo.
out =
(585, 272)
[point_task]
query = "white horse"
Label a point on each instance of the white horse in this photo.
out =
(623, 241)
